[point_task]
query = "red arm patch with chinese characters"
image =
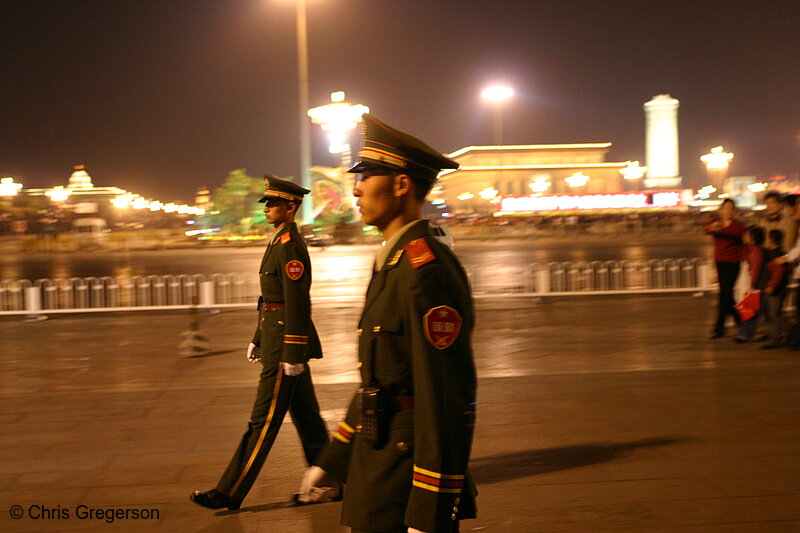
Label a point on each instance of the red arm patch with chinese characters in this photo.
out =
(442, 325)
(294, 269)
(419, 253)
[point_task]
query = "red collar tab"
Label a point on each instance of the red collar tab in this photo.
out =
(286, 237)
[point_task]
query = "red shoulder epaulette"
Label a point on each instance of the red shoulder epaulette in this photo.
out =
(419, 253)
(286, 237)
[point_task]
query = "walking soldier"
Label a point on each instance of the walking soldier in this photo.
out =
(284, 340)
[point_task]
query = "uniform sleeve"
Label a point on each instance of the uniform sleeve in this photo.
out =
(257, 335)
(296, 281)
(335, 457)
(440, 323)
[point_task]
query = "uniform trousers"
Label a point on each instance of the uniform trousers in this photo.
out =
(277, 394)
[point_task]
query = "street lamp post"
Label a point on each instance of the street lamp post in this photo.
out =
(497, 95)
(302, 86)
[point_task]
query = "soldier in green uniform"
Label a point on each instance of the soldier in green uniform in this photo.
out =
(284, 340)
(404, 446)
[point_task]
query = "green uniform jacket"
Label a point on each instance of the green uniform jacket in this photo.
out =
(286, 335)
(414, 341)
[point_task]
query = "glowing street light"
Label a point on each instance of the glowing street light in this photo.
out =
(757, 187)
(8, 187)
(464, 196)
(338, 118)
(497, 95)
(716, 159)
(717, 162)
(579, 179)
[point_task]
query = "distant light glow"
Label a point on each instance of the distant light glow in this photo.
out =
(717, 159)
(540, 184)
(633, 171)
(464, 196)
(579, 179)
(488, 193)
(58, 193)
(497, 93)
(8, 187)
(705, 192)
(585, 202)
(757, 187)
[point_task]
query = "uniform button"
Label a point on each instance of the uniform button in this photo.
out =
(376, 329)
(453, 516)
(402, 447)
(280, 322)
(358, 428)
(458, 500)
(359, 331)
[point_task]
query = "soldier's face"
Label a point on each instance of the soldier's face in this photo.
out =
(377, 201)
(277, 211)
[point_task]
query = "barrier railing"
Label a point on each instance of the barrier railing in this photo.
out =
(96, 294)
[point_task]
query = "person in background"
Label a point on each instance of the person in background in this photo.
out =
(759, 275)
(727, 233)
(774, 217)
(792, 257)
(774, 292)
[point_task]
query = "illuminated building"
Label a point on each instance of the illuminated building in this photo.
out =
(661, 142)
(79, 190)
(522, 170)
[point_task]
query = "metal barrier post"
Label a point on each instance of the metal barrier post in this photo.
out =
(33, 304)
(543, 281)
(704, 277)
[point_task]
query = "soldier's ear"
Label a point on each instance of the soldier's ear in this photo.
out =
(292, 207)
(402, 185)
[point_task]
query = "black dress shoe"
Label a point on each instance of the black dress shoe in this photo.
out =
(716, 335)
(214, 499)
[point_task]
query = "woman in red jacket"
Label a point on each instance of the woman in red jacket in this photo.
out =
(727, 233)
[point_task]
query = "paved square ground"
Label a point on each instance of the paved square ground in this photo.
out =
(595, 414)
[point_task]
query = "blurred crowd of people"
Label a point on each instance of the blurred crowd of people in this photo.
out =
(768, 246)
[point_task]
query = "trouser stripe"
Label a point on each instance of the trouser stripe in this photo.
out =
(263, 431)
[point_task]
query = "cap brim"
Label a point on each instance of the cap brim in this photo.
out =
(365, 165)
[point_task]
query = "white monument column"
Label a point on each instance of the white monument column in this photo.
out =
(661, 118)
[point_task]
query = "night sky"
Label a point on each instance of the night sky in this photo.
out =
(161, 96)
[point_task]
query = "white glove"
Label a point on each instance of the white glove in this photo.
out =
(412, 530)
(293, 370)
(251, 355)
(318, 487)
(311, 478)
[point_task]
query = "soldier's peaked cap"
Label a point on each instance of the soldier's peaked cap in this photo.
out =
(279, 188)
(387, 147)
